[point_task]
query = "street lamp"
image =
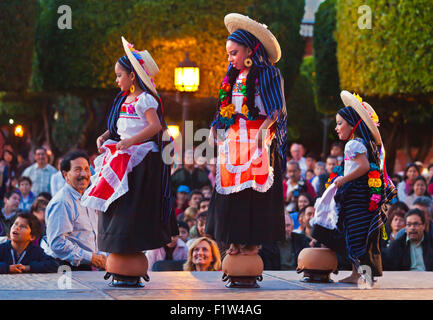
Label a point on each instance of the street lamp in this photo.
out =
(186, 81)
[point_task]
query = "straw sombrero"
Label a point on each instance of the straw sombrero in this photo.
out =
(143, 64)
(236, 21)
(365, 111)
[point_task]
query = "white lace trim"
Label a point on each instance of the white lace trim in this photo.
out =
(137, 153)
(326, 214)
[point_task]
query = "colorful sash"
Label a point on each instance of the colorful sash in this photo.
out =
(241, 164)
(110, 180)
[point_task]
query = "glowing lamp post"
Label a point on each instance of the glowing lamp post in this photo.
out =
(186, 81)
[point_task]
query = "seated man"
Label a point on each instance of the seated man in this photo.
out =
(283, 255)
(18, 255)
(71, 228)
(412, 251)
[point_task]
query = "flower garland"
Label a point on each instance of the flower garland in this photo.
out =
(227, 110)
(337, 171)
(375, 185)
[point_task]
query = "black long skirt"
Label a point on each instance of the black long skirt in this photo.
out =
(358, 232)
(133, 222)
(249, 217)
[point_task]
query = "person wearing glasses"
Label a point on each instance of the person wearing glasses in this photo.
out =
(413, 252)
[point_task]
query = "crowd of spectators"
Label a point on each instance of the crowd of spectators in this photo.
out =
(41, 213)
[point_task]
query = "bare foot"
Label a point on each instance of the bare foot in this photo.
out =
(249, 250)
(353, 278)
(233, 250)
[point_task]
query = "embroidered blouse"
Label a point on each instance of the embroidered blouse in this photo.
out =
(238, 97)
(132, 115)
(351, 150)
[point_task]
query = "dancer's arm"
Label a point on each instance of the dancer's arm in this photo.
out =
(101, 139)
(153, 127)
(363, 168)
(265, 126)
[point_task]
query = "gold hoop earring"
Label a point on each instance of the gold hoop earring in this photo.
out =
(132, 89)
(248, 62)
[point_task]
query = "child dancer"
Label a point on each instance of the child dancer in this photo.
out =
(131, 184)
(359, 193)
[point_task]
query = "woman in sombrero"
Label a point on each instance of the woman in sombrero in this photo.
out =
(247, 206)
(359, 193)
(131, 185)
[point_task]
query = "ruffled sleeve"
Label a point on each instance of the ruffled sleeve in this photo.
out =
(145, 102)
(353, 148)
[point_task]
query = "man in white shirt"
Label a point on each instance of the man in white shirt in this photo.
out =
(40, 172)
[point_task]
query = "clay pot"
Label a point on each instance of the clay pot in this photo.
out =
(242, 265)
(317, 259)
(134, 265)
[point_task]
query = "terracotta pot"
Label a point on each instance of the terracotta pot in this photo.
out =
(127, 264)
(242, 265)
(318, 259)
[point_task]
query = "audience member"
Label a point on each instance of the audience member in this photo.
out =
(296, 184)
(206, 191)
(419, 189)
(395, 222)
(197, 231)
(72, 228)
(203, 255)
(194, 178)
(40, 172)
(283, 255)
(175, 250)
(189, 216)
(38, 210)
(19, 255)
(181, 199)
(212, 173)
(405, 187)
(194, 198)
(305, 215)
(303, 201)
(425, 205)
(297, 154)
(413, 252)
(337, 150)
(27, 196)
(57, 181)
(9, 211)
(183, 231)
(23, 163)
(203, 205)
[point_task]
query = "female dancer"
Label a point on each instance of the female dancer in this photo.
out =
(247, 206)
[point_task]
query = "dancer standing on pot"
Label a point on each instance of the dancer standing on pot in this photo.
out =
(132, 183)
(353, 228)
(247, 206)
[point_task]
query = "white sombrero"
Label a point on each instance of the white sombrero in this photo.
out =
(365, 111)
(236, 21)
(146, 67)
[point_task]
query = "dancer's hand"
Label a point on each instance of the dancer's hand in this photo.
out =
(98, 261)
(339, 181)
(99, 142)
(123, 144)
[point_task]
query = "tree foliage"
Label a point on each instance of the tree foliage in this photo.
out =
(283, 17)
(17, 25)
(391, 66)
(304, 123)
(325, 58)
(395, 56)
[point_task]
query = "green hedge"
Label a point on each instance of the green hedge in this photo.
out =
(325, 58)
(17, 28)
(395, 56)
